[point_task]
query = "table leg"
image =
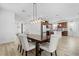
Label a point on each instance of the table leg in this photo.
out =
(37, 49)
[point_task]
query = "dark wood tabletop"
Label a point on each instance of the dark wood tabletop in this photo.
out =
(36, 37)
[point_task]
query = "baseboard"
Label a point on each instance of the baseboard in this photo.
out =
(7, 41)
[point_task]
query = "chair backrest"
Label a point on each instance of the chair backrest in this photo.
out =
(54, 41)
(24, 41)
(57, 33)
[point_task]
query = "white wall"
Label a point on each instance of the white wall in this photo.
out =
(73, 29)
(7, 26)
(29, 27)
(35, 28)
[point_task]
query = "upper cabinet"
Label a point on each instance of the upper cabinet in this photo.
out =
(62, 25)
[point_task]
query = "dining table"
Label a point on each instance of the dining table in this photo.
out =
(37, 38)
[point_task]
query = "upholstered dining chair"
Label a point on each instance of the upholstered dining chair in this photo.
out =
(26, 46)
(52, 45)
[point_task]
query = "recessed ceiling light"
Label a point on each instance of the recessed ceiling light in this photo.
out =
(57, 15)
(23, 11)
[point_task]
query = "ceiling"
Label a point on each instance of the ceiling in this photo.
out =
(19, 8)
(51, 11)
(57, 11)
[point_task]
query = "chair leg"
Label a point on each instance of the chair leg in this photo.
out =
(40, 52)
(22, 51)
(20, 48)
(26, 53)
(51, 54)
(55, 53)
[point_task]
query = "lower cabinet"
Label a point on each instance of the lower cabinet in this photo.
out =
(64, 33)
